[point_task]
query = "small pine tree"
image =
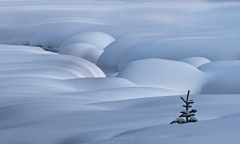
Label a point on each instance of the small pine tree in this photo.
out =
(189, 115)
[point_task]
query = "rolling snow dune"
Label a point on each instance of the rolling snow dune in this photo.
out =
(196, 61)
(98, 39)
(74, 120)
(39, 63)
(177, 49)
(223, 77)
(82, 50)
(113, 52)
(120, 70)
(167, 74)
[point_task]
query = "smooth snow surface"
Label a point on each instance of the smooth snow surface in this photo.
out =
(23, 61)
(113, 71)
(178, 49)
(167, 74)
(82, 50)
(196, 61)
(98, 39)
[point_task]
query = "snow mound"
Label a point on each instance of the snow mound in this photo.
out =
(113, 52)
(59, 37)
(223, 78)
(196, 61)
(177, 49)
(166, 74)
(82, 50)
(98, 39)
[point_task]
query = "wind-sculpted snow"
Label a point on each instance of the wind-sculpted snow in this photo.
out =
(83, 50)
(31, 61)
(196, 61)
(113, 53)
(55, 39)
(45, 85)
(213, 49)
(166, 74)
(163, 48)
(223, 77)
(98, 39)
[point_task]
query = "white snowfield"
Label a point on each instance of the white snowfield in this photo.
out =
(113, 72)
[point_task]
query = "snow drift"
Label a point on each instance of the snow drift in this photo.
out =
(166, 74)
(99, 39)
(83, 50)
(178, 49)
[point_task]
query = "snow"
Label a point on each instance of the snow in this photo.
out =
(98, 39)
(179, 120)
(196, 61)
(121, 68)
(113, 52)
(168, 74)
(223, 77)
(35, 62)
(83, 50)
(184, 111)
(192, 119)
(178, 49)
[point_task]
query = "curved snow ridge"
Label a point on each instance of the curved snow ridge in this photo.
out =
(223, 77)
(98, 39)
(83, 50)
(87, 45)
(168, 74)
(178, 49)
(58, 37)
(45, 65)
(113, 52)
(196, 61)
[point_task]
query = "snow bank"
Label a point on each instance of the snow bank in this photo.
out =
(83, 50)
(99, 39)
(167, 74)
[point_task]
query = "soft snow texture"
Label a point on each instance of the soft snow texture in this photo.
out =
(82, 50)
(167, 74)
(223, 77)
(162, 49)
(35, 62)
(177, 49)
(196, 61)
(113, 53)
(98, 39)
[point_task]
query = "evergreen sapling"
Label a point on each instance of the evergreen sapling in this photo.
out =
(188, 115)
